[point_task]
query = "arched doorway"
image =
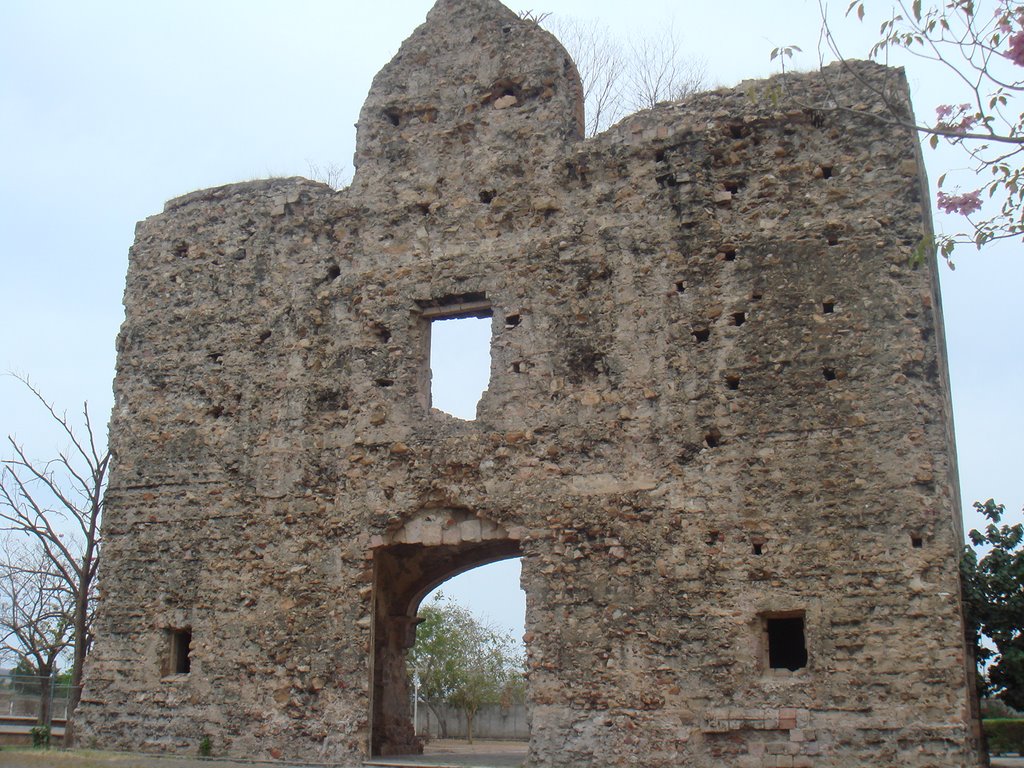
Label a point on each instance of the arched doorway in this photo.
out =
(429, 549)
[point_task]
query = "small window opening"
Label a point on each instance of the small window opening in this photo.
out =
(916, 542)
(736, 130)
(756, 296)
(733, 186)
(701, 334)
(680, 286)
(729, 255)
(333, 272)
(732, 382)
(264, 336)
(713, 438)
(179, 657)
(513, 321)
(757, 548)
(217, 358)
(659, 156)
(393, 116)
(826, 171)
(787, 645)
(487, 195)
(832, 239)
(829, 373)
(828, 307)
(739, 318)
(460, 353)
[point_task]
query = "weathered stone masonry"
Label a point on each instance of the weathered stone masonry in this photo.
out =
(718, 415)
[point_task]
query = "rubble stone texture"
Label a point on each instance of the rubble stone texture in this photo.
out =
(718, 399)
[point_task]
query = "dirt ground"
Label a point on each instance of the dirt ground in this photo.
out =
(441, 752)
(445, 753)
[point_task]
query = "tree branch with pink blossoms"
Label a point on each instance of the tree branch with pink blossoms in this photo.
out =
(982, 52)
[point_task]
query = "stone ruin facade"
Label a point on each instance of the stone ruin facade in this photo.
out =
(717, 429)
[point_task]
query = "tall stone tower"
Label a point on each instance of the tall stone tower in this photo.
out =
(717, 428)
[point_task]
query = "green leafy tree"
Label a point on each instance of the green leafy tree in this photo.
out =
(994, 604)
(462, 662)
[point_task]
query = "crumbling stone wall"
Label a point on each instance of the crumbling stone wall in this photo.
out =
(717, 400)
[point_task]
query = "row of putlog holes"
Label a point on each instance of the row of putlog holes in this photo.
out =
(702, 333)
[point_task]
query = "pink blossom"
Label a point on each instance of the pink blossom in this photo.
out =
(961, 121)
(1016, 50)
(966, 203)
(1006, 15)
(965, 124)
(1003, 17)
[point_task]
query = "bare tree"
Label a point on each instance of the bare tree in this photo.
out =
(36, 615)
(657, 70)
(601, 62)
(621, 76)
(334, 175)
(58, 504)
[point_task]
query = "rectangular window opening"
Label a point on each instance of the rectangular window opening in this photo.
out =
(179, 661)
(459, 343)
(786, 641)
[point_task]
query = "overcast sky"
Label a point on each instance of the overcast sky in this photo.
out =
(109, 108)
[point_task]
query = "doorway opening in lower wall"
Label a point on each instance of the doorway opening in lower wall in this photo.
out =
(448, 664)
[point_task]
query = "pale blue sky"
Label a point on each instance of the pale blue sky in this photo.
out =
(109, 108)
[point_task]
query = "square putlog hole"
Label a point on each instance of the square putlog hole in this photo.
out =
(786, 641)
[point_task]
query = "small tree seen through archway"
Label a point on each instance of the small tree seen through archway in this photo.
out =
(463, 663)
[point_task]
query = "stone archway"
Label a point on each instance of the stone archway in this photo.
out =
(426, 551)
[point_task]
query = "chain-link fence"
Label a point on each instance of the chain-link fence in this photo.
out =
(30, 702)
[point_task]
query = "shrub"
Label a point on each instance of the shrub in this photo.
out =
(205, 747)
(41, 737)
(1004, 735)
(994, 709)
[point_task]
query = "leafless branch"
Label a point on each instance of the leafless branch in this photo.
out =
(56, 505)
(622, 76)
